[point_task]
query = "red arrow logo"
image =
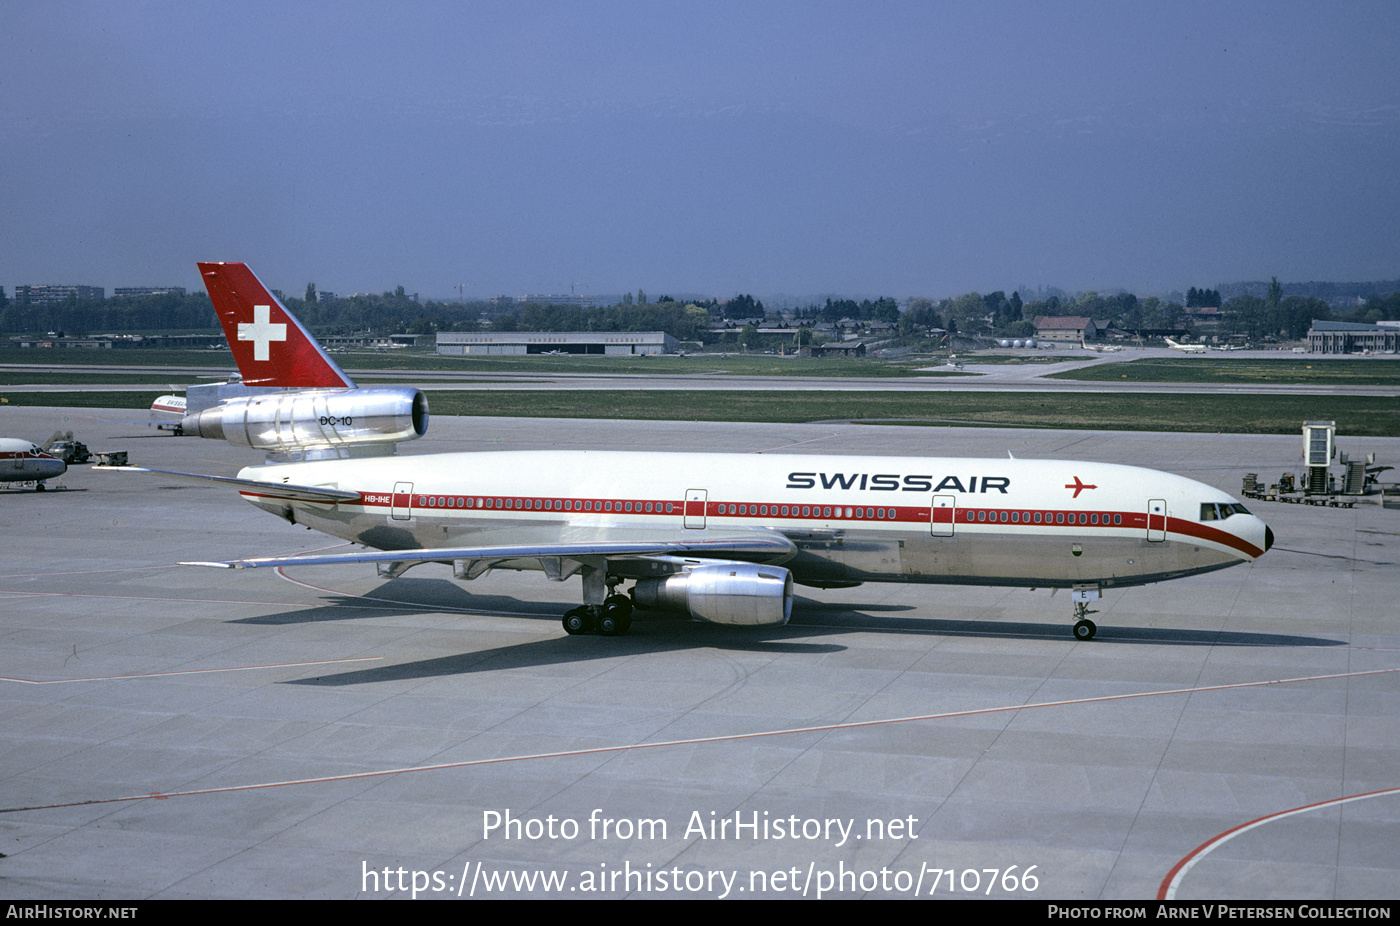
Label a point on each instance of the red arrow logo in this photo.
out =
(1079, 487)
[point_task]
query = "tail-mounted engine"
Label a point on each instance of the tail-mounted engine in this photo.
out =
(317, 424)
(740, 594)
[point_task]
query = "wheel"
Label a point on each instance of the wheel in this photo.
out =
(616, 617)
(39, 487)
(578, 620)
(1084, 629)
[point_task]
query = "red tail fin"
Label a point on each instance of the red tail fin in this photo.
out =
(269, 344)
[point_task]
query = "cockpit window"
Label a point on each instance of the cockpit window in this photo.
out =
(1210, 511)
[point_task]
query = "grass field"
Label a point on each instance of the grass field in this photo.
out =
(1272, 414)
(1224, 369)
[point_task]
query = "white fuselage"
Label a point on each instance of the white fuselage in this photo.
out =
(23, 461)
(1187, 348)
(1023, 523)
(168, 409)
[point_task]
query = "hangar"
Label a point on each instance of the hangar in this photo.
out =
(628, 343)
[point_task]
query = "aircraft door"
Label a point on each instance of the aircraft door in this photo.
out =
(942, 514)
(1157, 520)
(695, 500)
(402, 509)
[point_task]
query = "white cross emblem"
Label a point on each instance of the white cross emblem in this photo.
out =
(261, 331)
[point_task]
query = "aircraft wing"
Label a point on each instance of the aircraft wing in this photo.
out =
(755, 543)
(278, 489)
(746, 544)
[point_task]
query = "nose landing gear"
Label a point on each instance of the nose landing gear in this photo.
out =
(1084, 629)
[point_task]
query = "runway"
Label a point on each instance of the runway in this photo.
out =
(174, 732)
(1029, 376)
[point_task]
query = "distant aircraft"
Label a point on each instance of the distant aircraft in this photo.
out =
(717, 537)
(23, 461)
(167, 412)
(1100, 348)
(1188, 348)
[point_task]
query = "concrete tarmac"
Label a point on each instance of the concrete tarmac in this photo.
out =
(176, 732)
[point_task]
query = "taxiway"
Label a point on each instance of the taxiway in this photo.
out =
(172, 732)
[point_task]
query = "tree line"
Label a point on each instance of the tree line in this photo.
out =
(1273, 313)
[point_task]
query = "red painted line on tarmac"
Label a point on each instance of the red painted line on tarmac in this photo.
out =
(1168, 888)
(728, 738)
(112, 678)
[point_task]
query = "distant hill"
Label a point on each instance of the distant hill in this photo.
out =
(1337, 295)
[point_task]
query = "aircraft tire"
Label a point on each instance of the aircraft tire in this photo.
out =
(577, 621)
(1084, 630)
(616, 617)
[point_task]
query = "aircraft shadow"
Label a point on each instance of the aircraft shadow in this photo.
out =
(658, 634)
(646, 637)
(49, 492)
(843, 618)
(404, 597)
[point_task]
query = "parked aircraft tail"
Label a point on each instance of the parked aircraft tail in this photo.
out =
(269, 344)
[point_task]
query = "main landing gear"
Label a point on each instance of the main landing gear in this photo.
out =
(605, 612)
(612, 618)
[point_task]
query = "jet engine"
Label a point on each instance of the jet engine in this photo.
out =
(317, 423)
(739, 594)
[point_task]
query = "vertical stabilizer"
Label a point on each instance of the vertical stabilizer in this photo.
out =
(269, 344)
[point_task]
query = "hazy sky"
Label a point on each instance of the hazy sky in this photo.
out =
(905, 149)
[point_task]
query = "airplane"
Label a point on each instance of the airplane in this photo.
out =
(718, 537)
(1100, 348)
(167, 412)
(23, 461)
(1188, 348)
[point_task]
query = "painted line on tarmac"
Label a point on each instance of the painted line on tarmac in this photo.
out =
(113, 678)
(727, 738)
(1170, 884)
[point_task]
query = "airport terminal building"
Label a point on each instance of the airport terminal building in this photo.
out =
(611, 343)
(1352, 338)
